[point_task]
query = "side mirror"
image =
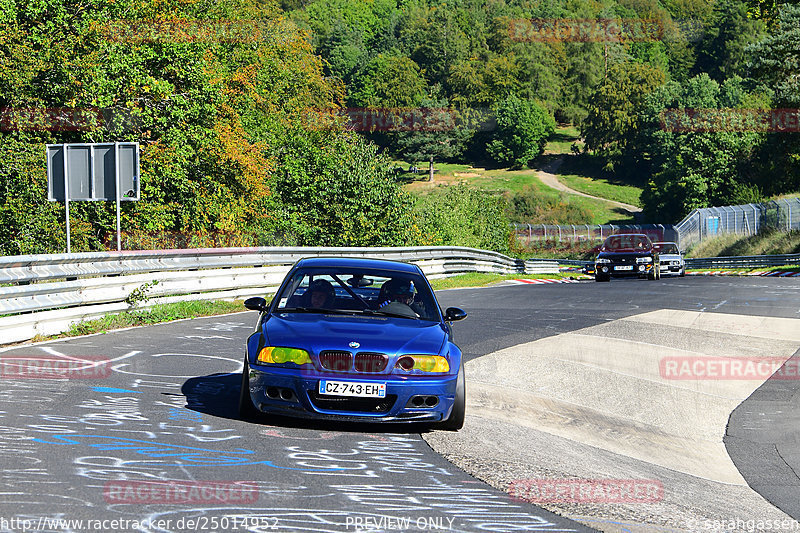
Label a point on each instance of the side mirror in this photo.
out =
(256, 303)
(454, 313)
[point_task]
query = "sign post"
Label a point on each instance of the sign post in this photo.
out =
(89, 172)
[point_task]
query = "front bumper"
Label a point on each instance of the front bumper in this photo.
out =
(611, 269)
(292, 392)
(671, 268)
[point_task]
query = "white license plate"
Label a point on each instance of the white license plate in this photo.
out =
(628, 267)
(349, 388)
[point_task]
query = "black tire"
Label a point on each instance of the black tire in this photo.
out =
(247, 411)
(456, 419)
(683, 272)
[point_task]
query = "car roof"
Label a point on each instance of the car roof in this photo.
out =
(666, 242)
(357, 262)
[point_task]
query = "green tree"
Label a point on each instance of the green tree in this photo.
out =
(696, 164)
(614, 118)
(727, 34)
(334, 190)
(775, 61)
(442, 133)
(461, 216)
(388, 81)
(523, 127)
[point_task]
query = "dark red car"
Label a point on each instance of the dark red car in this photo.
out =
(627, 254)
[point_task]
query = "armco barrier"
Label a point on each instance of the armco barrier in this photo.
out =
(743, 261)
(44, 294)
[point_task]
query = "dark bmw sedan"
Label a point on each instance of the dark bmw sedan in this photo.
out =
(629, 254)
(354, 339)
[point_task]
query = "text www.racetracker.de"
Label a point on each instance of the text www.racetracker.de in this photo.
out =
(200, 523)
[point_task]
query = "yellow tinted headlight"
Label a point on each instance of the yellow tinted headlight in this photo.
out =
(280, 355)
(429, 363)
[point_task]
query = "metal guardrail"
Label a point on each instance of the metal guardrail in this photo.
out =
(743, 261)
(45, 294)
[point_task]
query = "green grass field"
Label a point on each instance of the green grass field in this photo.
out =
(505, 181)
(579, 172)
(561, 141)
(583, 174)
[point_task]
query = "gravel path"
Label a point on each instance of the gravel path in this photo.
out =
(551, 180)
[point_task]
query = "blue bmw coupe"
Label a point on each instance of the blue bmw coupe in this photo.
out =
(355, 339)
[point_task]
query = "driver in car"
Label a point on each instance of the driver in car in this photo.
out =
(400, 291)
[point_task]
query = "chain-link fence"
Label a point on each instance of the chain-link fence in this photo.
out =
(527, 233)
(783, 214)
(748, 219)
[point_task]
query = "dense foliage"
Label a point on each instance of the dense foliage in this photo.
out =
(228, 101)
(218, 96)
(522, 130)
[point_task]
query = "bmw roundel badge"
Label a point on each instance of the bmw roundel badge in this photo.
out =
(354, 344)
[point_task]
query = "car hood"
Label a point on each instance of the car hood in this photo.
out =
(671, 257)
(621, 253)
(387, 335)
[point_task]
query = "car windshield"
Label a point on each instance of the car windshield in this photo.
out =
(627, 242)
(366, 292)
(666, 247)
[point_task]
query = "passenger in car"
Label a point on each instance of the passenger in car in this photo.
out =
(320, 294)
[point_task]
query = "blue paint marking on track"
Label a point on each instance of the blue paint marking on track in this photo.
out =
(112, 390)
(191, 455)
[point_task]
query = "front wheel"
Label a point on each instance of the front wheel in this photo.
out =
(683, 272)
(456, 419)
(247, 411)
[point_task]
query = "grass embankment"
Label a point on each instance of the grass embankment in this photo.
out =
(552, 206)
(769, 242)
(535, 202)
(582, 173)
(479, 279)
(182, 310)
(562, 140)
(154, 315)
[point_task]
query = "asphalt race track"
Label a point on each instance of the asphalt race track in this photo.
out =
(147, 438)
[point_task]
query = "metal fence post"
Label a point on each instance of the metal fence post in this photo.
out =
(755, 219)
(789, 215)
(699, 226)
